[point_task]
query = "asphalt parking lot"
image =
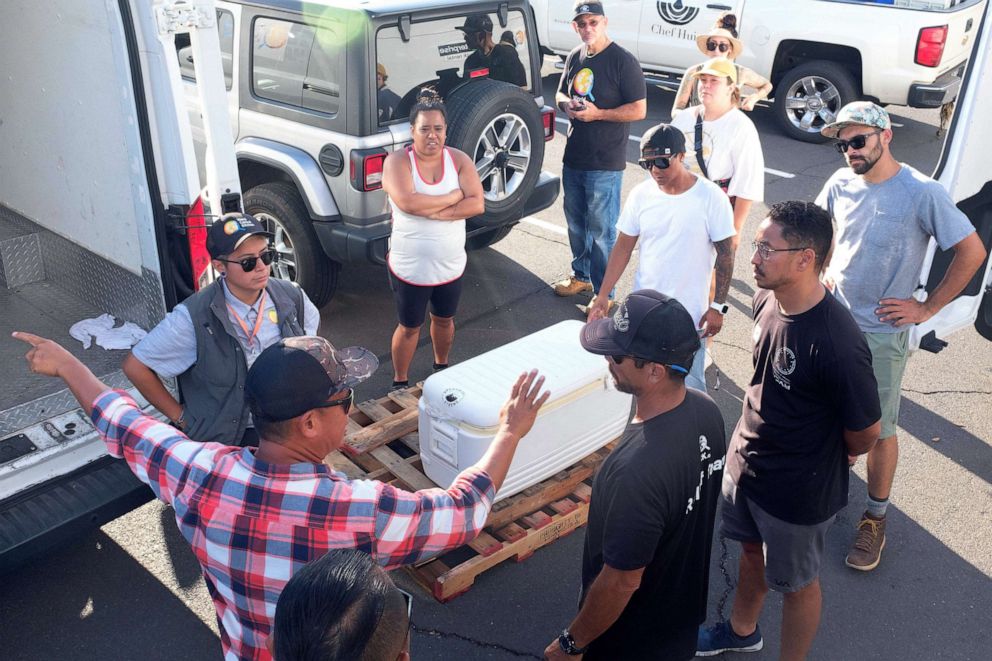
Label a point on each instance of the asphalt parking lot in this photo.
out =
(132, 589)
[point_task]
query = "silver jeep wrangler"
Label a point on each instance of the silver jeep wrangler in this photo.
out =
(320, 91)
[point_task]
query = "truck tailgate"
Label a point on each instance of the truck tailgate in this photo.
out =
(962, 23)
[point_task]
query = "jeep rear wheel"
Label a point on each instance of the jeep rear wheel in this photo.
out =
(809, 97)
(499, 126)
(279, 208)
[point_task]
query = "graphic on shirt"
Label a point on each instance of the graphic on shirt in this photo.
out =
(621, 321)
(677, 13)
(690, 149)
(273, 316)
(706, 470)
(583, 82)
(783, 365)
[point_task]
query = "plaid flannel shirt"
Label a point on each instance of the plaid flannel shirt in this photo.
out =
(252, 525)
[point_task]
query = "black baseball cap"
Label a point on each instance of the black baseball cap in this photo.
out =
(647, 325)
(297, 374)
(230, 231)
(477, 23)
(662, 140)
(595, 8)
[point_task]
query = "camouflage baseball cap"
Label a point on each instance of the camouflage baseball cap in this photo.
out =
(298, 374)
(858, 113)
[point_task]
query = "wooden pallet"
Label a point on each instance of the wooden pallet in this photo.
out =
(382, 444)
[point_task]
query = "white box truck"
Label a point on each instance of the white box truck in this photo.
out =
(97, 173)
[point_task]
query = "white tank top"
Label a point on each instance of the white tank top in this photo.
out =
(423, 251)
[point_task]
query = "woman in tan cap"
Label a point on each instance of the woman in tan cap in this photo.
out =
(722, 42)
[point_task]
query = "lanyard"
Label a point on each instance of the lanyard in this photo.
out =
(258, 319)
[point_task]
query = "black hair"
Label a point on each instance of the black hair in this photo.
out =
(804, 225)
(428, 99)
(507, 37)
(271, 430)
(342, 606)
(728, 22)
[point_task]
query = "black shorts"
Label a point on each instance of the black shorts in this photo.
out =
(411, 300)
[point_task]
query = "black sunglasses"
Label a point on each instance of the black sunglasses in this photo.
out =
(640, 362)
(344, 402)
(722, 47)
(662, 163)
(857, 142)
(248, 264)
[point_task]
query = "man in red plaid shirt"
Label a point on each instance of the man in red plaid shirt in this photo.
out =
(255, 516)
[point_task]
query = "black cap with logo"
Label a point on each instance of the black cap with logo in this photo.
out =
(581, 8)
(662, 140)
(647, 325)
(298, 374)
(230, 231)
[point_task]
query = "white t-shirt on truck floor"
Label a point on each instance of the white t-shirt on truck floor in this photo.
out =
(731, 149)
(676, 234)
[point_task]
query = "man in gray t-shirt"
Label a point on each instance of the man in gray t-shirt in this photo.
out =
(885, 213)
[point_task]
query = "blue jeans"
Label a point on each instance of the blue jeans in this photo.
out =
(592, 207)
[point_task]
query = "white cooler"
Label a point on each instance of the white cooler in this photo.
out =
(459, 408)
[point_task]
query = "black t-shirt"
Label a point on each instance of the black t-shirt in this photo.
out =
(812, 379)
(610, 79)
(653, 504)
(503, 63)
(387, 101)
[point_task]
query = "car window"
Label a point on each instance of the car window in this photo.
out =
(297, 64)
(225, 30)
(441, 55)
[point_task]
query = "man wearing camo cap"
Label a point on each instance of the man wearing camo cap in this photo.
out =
(885, 213)
(256, 516)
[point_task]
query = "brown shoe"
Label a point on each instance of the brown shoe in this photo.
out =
(570, 286)
(867, 550)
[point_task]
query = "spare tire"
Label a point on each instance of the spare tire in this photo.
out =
(499, 126)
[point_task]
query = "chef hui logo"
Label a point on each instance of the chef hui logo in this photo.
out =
(677, 13)
(452, 396)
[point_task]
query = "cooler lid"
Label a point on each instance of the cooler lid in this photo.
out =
(474, 391)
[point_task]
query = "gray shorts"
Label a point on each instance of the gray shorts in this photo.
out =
(792, 552)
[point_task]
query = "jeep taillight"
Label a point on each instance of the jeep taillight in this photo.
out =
(930, 46)
(366, 169)
(548, 119)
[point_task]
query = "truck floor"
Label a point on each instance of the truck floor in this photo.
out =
(44, 309)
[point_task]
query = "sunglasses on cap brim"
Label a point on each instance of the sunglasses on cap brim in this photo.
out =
(248, 264)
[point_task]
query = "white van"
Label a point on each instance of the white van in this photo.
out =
(97, 172)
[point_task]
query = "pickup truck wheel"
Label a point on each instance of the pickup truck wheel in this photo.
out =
(809, 97)
(279, 208)
(499, 126)
(487, 238)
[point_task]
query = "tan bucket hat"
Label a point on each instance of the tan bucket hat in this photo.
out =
(735, 44)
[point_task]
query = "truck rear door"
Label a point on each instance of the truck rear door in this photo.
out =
(964, 171)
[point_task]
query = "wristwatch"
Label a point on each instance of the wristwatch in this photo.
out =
(722, 308)
(568, 646)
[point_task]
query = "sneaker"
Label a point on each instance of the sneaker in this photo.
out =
(867, 550)
(570, 286)
(721, 638)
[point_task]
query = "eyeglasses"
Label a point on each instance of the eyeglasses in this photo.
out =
(765, 251)
(720, 46)
(344, 402)
(662, 163)
(857, 142)
(248, 264)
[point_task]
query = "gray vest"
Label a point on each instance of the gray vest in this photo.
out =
(213, 388)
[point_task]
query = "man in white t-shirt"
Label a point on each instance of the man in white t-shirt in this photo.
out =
(686, 230)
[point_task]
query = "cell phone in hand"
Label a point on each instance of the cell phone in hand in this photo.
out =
(578, 103)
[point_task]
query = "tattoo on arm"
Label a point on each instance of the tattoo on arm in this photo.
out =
(724, 268)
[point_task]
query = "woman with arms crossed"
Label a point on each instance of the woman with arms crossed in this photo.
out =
(432, 189)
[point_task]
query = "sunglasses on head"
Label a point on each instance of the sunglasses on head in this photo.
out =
(344, 402)
(662, 163)
(857, 142)
(721, 46)
(248, 264)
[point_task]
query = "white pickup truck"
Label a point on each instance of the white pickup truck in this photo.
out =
(819, 54)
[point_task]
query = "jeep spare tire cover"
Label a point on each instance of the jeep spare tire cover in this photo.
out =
(499, 126)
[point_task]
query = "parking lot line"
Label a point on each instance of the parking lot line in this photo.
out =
(637, 139)
(551, 227)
